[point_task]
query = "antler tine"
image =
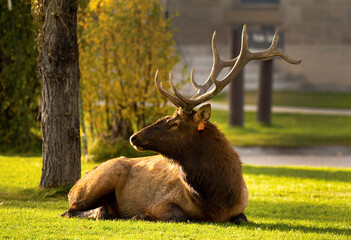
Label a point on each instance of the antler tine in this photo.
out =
(177, 93)
(217, 67)
(240, 62)
(177, 102)
(195, 85)
(218, 63)
(273, 51)
(275, 39)
(244, 45)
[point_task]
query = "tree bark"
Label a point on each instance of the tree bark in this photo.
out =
(59, 73)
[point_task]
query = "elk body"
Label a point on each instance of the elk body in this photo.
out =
(197, 174)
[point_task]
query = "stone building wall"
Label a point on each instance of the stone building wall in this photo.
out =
(318, 31)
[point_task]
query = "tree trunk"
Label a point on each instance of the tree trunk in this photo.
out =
(59, 73)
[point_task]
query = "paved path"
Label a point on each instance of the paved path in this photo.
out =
(317, 156)
(279, 109)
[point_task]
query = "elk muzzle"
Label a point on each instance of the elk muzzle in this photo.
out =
(137, 143)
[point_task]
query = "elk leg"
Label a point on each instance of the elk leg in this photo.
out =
(110, 204)
(98, 183)
(168, 212)
(97, 213)
(107, 209)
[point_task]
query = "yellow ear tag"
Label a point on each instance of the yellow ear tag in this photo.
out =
(201, 126)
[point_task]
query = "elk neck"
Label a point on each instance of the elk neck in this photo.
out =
(211, 167)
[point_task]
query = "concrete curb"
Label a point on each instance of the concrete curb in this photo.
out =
(337, 156)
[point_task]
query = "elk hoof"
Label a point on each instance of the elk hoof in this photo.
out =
(69, 213)
(101, 213)
(138, 217)
(65, 214)
(239, 218)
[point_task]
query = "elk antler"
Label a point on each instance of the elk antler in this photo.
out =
(237, 64)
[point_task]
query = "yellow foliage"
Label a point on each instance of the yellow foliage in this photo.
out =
(122, 44)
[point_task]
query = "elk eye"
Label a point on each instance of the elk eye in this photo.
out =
(173, 125)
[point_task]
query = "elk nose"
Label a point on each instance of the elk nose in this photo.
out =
(133, 138)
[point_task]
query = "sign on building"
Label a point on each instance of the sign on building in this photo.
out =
(262, 39)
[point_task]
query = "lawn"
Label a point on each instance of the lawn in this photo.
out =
(299, 99)
(289, 130)
(285, 203)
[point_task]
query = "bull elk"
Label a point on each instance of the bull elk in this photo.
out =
(197, 174)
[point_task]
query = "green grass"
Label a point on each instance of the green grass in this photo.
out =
(291, 130)
(284, 203)
(299, 99)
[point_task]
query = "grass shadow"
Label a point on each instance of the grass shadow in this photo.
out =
(35, 194)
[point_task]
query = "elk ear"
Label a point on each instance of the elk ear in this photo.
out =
(203, 114)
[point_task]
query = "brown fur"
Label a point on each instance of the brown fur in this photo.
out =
(197, 176)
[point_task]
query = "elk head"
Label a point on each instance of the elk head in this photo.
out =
(173, 132)
(177, 131)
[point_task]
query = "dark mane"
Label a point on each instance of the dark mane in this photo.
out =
(212, 168)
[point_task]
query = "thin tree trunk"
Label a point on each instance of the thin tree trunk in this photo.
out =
(59, 73)
(84, 135)
(91, 122)
(107, 111)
